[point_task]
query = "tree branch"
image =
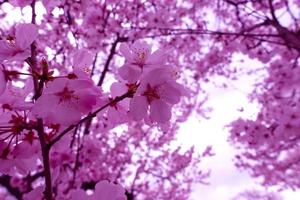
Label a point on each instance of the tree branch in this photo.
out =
(2, 2)
(40, 126)
(5, 182)
(109, 59)
(45, 154)
(90, 116)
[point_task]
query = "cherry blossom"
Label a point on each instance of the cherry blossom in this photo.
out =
(21, 3)
(21, 159)
(105, 190)
(62, 137)
(17, 48)
(118, 113)
(82, 62)
(138, 59)
(66, 101)
(37, 194)
(158, 91)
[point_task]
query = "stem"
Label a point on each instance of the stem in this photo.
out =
(40, 126)
(110, 57)
(5, 181)
(90, 116)
(45, 154)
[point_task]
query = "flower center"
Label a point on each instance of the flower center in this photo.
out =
(151, 93)
(140, 55)
(66, 95)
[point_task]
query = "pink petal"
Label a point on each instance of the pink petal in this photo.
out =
(79, 194)
(108, 191)
(171, 92)
(160, 111)
(20, 55)
(118, 89)
(157, 76)
(158, 57)
(86, 101)
(80, 84)
(24, 166)
(23, 3)
(138, 107)
(130, 73)
(56, 86)
(125, 51)
(25, 35)
(82, 58)
(65, 114)
(37, 193)
(6, 51)
(42, 105)
(139, 48)
(50, 4)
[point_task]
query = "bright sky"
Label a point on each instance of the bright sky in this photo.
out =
(226, 181)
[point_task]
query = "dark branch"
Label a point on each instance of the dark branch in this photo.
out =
(89, 116)
(5, 182)
(110, 57)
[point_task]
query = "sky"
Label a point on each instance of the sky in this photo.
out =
(226, 181)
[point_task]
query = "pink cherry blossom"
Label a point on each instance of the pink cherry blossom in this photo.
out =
(20, 159)
(36, 194)
(65, 101)
(117, 113)
(158, 91)
(136, 154)
(13, 97)
(79, 194)
(50, 4)
(18, 49)
(138, 58)
(82, 62)
(105, 190)
(21, 3)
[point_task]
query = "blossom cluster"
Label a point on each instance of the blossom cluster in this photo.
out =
(146, 93)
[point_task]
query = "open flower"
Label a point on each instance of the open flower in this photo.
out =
(105, 190)
(158, 91)
(138, 59)
(82, 60)
(18, 48)
(117, 112)
(64, 101)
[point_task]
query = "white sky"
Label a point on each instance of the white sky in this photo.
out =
(226, 181)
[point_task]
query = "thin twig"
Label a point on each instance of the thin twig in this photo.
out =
(89, 116)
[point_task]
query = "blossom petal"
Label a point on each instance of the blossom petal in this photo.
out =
(65, 114)
(37, 193)
(125, 51)
(138, 107)
(130, 73)
(171, 92)
(105, 190)
(160, 111)
(82, 60)
(6, 51)
(25, 35)
(158, 57)
(42, 105)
